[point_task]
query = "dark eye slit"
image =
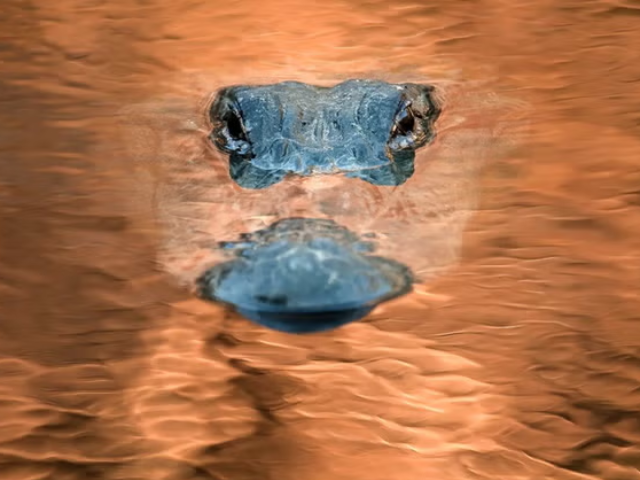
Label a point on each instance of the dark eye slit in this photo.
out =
(234, 125)
(406, 123)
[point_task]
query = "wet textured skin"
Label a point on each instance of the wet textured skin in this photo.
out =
(360, 128)
(304, 275)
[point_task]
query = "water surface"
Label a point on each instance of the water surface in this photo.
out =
(521, 360)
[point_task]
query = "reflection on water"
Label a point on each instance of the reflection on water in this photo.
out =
(518, 361)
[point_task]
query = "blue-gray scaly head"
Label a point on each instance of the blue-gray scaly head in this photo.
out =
(306, 275)
(361, 128)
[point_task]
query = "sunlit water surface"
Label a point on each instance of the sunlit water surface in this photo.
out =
(520, 360)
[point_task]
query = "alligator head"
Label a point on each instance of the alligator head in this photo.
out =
(311, 274)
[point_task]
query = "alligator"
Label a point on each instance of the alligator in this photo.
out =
(304, 275)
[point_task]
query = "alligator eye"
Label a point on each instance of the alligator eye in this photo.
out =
(405, 122)
(403, 132)
(233, 123)
(229, 133)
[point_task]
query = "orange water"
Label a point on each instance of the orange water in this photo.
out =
(522, 361)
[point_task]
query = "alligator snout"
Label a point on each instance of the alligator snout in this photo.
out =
(304, 275)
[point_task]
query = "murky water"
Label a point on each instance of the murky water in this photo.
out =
(520, 360)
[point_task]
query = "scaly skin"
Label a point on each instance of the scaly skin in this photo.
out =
(362, 128)
(307, 275)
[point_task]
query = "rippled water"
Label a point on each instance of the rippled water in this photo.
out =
(521, 361)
